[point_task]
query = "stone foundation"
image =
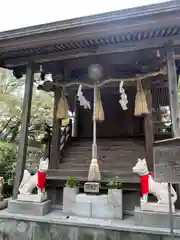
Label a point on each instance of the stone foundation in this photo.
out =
(28, 230)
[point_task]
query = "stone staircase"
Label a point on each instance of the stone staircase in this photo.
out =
(116, 158)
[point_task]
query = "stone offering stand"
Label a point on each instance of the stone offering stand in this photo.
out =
(94, 206)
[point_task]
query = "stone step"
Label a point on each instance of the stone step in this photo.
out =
(82, 175)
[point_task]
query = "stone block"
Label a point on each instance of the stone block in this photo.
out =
(116, 212)
(96, 206)
(106, 211)
(69, 198)
(100, 211)
(82, 209)
(115, 203)
(96, 199)
(31, 208)
(115, 197)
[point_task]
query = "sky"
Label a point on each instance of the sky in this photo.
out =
(20, 13)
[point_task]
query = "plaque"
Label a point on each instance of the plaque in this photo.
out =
(91, 187)
(166, 157)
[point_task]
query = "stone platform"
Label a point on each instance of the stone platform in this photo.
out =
(154, 219)
(96, 206)
(32, 208)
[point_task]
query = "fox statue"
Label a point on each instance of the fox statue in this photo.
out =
(149, 185)
(38, 180)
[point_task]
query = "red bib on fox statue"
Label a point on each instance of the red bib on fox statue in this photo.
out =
(41, 179)
(144, 183)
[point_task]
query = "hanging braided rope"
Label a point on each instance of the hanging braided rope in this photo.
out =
(94, 173)
(94, 116)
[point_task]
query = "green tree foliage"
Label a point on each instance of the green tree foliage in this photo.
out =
(11, 99)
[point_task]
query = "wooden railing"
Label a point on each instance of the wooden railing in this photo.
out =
(65, 136)
(64, 139)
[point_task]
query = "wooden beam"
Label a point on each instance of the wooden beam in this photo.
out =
(25, 119)
(101, 50)
(55, 143)
(173, 91)
(148, 125)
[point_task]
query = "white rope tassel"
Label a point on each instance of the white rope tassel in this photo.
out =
(94, 172)
(82, 100)
(123, 100)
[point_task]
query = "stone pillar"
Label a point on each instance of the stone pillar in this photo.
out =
(25, 119)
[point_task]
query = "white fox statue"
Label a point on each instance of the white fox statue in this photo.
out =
(38, 180)
(149, 185)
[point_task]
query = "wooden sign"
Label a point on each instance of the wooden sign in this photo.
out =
(166, 157)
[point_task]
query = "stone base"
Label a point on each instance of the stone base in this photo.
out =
(154, 219)
(91, 187)
(69, 198)
(3, 204)
(155, 207)
(31, 208)
(96, 206)
(32, 197)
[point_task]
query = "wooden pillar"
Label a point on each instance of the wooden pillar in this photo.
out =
(173, 92)
(56, 131)
(25, 119)
(148, 125)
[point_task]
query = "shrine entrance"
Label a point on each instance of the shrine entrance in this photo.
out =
(118, 123)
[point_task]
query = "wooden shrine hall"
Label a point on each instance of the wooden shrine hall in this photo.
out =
(135, 44)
